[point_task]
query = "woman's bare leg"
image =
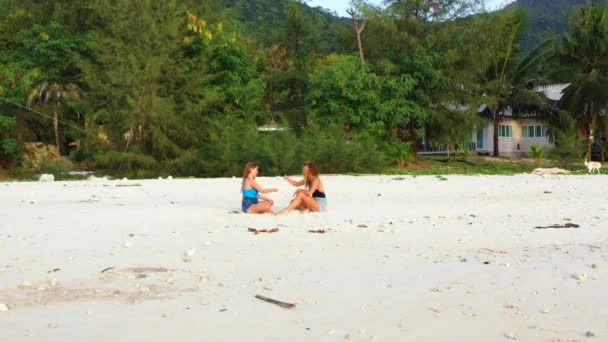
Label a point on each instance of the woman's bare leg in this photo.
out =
(260, 208)
(302, 200)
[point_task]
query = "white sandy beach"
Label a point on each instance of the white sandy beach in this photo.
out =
(453, 260)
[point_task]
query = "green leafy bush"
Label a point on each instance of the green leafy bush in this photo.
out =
(538, 153)
(567, 147)
(58, 168)
(9, 147)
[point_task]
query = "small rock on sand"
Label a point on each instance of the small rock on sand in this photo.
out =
(46, 178)
(580, 276)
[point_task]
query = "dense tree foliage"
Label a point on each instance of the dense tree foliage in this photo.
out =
(182, 87)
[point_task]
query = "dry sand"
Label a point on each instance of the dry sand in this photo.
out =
(402, 259)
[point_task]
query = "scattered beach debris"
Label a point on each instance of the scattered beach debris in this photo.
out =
(589, 334)
(54, 270)
(45, 177)
(258, 231)
(317, 231)
(276, 302)
(490, 251)
(558, 226)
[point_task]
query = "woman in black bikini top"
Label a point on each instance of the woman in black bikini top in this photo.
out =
(311, 198)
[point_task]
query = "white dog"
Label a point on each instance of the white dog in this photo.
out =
(593, 166)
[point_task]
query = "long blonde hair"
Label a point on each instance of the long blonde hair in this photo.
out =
(313, 173)
(247, 170)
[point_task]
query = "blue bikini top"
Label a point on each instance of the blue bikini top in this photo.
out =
(250, 193)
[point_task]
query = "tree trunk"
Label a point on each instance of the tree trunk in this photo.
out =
(297, 50)
(358, 31)
(590, 139)
(589, 129)
(56, 129)
(496, 118)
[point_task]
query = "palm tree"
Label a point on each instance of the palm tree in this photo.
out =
(507, 80)
(56, 95)
(584, 56)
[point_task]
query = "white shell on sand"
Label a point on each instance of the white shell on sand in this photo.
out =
(580, 276)
(127, 244)
(190, 252)
(3, 307)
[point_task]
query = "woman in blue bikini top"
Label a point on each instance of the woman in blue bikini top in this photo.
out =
(252, 191)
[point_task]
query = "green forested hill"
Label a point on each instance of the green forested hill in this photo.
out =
(546, 17)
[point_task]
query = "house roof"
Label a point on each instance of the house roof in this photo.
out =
(271, 127)
(553, 91)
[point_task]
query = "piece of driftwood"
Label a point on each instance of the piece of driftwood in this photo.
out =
(276, 302)
(107, 269)
(558, 226)
(318, 231)
(362, 226)
(258, 231)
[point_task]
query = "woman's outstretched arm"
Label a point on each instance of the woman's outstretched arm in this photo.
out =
(293, 182)
(255, 185)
